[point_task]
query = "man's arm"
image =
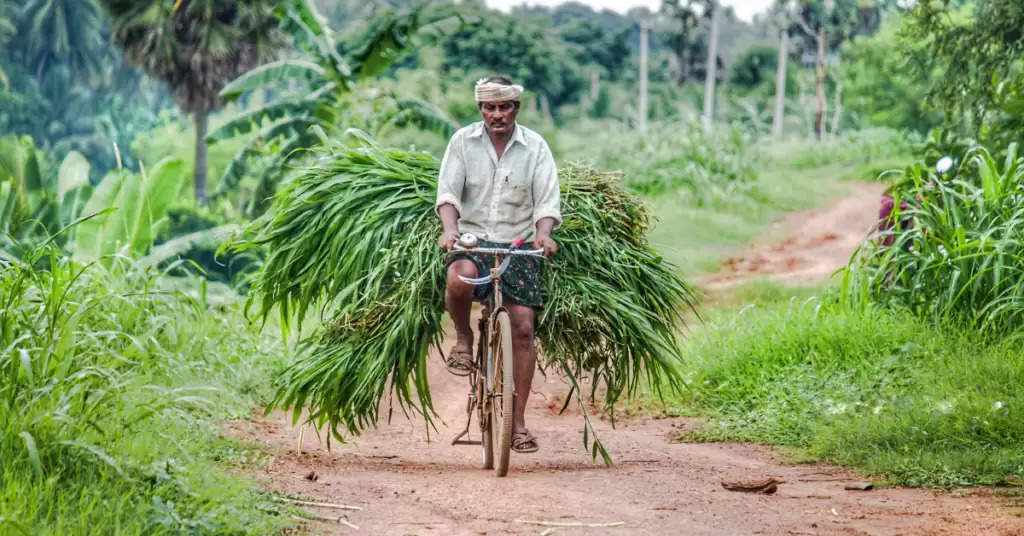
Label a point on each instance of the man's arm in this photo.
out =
(450, 225)
(450, 181)
(547, 213)
(543, 238)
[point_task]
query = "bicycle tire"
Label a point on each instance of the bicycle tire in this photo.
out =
(503, 381)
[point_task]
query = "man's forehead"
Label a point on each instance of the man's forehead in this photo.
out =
(498, 102)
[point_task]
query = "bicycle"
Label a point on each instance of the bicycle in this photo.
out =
(491, 381)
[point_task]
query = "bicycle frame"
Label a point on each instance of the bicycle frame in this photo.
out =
(482, 394)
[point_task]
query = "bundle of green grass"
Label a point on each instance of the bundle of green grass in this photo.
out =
(354, 236)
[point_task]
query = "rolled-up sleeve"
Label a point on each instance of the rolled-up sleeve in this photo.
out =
(546, 194)
(452, 177)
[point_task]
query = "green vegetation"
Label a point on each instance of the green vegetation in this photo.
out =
(911, 401)
(110, 385)
(122, 339)
(956, 248)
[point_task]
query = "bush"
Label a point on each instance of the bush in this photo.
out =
(108, 388)
(957, 244)
(668, 157)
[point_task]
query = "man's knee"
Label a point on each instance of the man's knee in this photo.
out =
(455, 286)
(522, 328)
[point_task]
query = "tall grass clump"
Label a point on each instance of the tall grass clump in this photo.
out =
(668, 157)
(957, 244)
(109, 384)
(906, 399)
(354, 236)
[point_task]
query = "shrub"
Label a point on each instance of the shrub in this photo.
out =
(959, 248)
(108, 384)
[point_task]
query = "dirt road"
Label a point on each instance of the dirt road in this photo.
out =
(407, 485)
(805, 247)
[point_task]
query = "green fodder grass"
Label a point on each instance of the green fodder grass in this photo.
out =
(957, 245)
(877, 388)
(355, 236)
(109, 387)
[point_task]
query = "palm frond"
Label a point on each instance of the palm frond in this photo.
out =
(269, 74)
(249, 121)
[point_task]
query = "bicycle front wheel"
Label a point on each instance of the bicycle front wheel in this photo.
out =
(502, 384)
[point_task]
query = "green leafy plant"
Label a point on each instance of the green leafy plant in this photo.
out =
(110, 381)
(670, 157)
(330, 72)
(956, 244)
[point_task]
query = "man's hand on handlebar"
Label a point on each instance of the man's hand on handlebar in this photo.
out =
(448, 239)
(546, 243)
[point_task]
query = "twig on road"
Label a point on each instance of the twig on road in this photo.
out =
(317, 517)
(322, 505)
(571, 524)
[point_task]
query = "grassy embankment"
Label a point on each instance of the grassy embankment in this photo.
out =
(913, 392)
(906, 399)
(107, 407)
(712, 193)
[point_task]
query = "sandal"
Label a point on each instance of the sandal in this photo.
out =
(459, 362)
(524, 442)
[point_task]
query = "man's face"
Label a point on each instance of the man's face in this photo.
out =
(499, 116)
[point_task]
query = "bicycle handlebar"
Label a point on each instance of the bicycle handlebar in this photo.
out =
(508, 253)
(498, 251)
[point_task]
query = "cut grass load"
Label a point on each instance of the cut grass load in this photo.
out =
(355, 236)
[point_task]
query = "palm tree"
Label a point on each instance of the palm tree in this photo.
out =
(196, 47)
(68, 33)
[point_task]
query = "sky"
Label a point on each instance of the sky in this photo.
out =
(745, 9)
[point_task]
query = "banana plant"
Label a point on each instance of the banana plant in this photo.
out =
(330, 72)
(28, 204)
(128, 209)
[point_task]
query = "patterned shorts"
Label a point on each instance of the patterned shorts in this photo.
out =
(520, 284)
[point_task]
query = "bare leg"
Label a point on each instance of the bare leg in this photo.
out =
(525, 361)
(458, 299)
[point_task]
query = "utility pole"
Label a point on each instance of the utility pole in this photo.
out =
(780, 84)
(642, 105)
(820, 123)
(712, 67)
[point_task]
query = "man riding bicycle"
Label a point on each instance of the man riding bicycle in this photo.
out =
(498, 181)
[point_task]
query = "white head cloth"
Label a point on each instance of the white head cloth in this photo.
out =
(490, 91)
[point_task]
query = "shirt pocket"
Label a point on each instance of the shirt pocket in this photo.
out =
(515, 188)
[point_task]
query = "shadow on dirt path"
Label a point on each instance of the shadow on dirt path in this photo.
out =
(408, 485)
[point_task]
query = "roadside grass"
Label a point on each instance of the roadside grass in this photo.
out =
(910, 401)
(110, 394)
(697, 237)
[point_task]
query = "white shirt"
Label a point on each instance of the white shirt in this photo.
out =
(499, 200)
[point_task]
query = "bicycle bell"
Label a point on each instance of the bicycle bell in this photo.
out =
(468, 240)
